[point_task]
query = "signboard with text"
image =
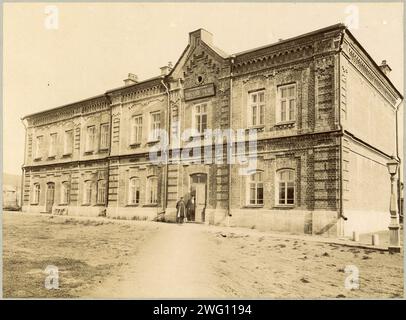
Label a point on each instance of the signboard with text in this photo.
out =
(200, 92)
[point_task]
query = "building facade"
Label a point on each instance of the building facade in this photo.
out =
(320, 113)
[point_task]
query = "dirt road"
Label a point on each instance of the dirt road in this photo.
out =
(173, 264)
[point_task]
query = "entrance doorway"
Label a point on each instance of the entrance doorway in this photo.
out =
(199, 191)
(50, 197)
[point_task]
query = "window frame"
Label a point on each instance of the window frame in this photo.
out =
(87, 198)
(134, 196)
(198, 124)
(36, 193)
(287, 99)
(90, 139)
(286, 182)
(101, 192)
(53, 140)
(136, 129)
(65, 193)
(155, 132)
(148, 200)
(259, 106)
(39, 140)
(104, 136)
(256, 184)
(68, 142)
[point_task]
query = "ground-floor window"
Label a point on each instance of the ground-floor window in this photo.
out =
(65, 192)
(255, 189)
(286, 187)
(152, 190)
(36, 193)
(134, 191)
(87, 195)
(101, 191)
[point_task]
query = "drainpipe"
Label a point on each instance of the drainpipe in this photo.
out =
(397, 107)
(165, 202)
(22, 168)
(230, 124)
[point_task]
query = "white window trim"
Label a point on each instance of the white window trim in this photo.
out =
(148, 188)
(89, 143)
(63, 189)
(130, 195)
(195, 113)
(277, 180)
(34, 199)
(53, 140)
(279, 102)
(38, 143)
(89, 201)
(106, 146)
(258, 113)
(154, 135)
(133, 137)
(66, 142)
(248, 190)
(100, 194)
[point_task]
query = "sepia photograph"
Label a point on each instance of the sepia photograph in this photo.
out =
(213, 150)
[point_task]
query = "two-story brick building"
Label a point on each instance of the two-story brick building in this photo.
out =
(322, 111)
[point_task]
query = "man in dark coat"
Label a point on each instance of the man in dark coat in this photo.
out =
(180, 210)
(191, 208)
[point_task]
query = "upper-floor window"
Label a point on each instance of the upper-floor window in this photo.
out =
(200, 117)
(36, 193)
(136, 129)
(286, 105)
(65, 192)
(104, 136)
(68, 142)
(286, 187)
(90, 137)
(255, 188)
(134, 191)
(152, 190)
(155, 125)
(52, 145)
(101, 191)
(257, 108)
(38, 146)
(88, 190)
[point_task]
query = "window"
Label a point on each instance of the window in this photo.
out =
(152, 190)
(38, 146)
(155, 125)
(200, 118)
(257, 108)
(65, 192)
(52, 145)
(90, 136)
(134, 191)
(101, 191)
(136, 129)
(87, 195)
(104, 136)
(256, 189)
(68, 142)
(286, 187)
(287, 103)
(36, 193)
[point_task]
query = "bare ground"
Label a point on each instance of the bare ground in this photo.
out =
(132, 259)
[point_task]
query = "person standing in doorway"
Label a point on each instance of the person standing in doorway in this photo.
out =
(180, 210)
(191, 208)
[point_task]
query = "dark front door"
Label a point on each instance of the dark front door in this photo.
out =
(198, 186)
(50, 197)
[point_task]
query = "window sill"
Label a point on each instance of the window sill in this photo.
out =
(51, 158)
(253, 206)
(132, 205)
(257, 128)
(151, 205)
(284, 206)
(153, 142)
(285, 124)
(135, 145)
(67, 155)
(99, 205)
(88, 153)
(34, 204)
(38, 159)
(63, 204)
(103, 150)
(85, 204)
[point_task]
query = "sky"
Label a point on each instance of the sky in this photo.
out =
(93, 46)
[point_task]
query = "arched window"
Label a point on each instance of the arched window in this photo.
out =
(87, 195)
(101, 191)
(65, 192)
(286, 187)
(255, 187)
(152, 190)
(36, 193)
(134, 191)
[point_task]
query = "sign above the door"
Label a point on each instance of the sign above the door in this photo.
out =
(199, 92)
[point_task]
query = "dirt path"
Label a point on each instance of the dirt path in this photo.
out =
(172, 264)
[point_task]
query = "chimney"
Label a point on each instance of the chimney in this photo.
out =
(385, 68)
(200, 34)
(166, 69)
(131, 79)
